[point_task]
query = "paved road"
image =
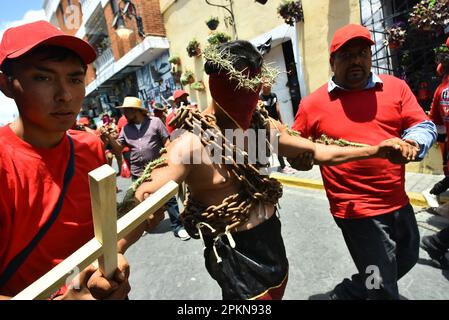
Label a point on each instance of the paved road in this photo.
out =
(164, 267)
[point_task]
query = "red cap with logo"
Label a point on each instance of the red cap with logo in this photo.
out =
(347, 33)
(18, 41)
(179, 93)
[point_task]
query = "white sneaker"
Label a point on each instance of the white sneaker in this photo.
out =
(431, 199)
(183, 235)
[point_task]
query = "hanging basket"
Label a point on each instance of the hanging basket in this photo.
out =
(174, 60)
(212, 23)
(199, 85)
(291, 11)
(187, 78)
(193, 48)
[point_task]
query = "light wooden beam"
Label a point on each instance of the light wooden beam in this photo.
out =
(102, 184)
(87, 254)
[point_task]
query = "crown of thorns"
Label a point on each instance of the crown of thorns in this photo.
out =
(225, 61)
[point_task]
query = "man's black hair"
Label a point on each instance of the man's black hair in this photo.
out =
(53, 53)
(243, 54)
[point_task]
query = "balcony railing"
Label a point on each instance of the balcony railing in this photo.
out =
(104, 60)
(88, 7)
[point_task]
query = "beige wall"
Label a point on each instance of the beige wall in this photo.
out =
(185, 20)
(322, 18)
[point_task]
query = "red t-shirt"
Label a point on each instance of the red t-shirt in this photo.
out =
(170, 129)
(367, 187)
(439, 111)
(31, 182)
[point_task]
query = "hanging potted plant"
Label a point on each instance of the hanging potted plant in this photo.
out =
(291, 11)
(193, 48)
(430, 15)
(440, 52)
(212, 23)
(174, 60)
(396, 35)
(198, 85)
(218, 38)
(187, 78)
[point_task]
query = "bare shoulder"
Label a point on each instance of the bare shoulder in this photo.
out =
(182, 147)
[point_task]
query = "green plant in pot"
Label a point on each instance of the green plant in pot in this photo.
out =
(430, 15)
(396, 35)
(198, 85)
(193, 48)
(218, 38)
(187, 78)
(175, 59)
(440, 52)
(212, 23)
(291, 11)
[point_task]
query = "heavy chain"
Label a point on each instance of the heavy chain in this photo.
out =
(255, 188)
(323, 139)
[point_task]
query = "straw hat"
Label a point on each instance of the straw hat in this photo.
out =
(133, 103)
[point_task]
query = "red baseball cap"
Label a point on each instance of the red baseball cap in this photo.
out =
(17, 41)
(349, 32)
(179, 93)
(447, 41)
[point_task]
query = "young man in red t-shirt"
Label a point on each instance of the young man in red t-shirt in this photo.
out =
(367, 198)
(43, 167)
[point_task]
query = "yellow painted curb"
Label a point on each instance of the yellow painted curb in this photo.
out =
(416, 199)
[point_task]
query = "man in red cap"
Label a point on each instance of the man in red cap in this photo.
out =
(367, 198)
(45, 207)
(231, 205)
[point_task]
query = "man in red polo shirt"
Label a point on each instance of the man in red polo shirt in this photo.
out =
(367, 197)
(45, 207)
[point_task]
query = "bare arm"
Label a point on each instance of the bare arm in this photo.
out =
(293, 147)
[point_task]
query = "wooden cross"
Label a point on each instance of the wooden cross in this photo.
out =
(102, 183)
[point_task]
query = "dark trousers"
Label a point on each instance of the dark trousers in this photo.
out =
(281, 161)
(442, 238)
(384, 248)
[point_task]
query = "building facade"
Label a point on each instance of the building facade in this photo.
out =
(300, 52)
(134, 63)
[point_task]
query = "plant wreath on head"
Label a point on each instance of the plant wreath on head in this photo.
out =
(224, 62)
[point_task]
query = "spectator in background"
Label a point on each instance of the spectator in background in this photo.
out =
(437, 245)
(145, 136)
(271, 104)
(439, 114)
(109, 129)
(160, 111)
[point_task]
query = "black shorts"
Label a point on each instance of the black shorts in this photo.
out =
(257, 263)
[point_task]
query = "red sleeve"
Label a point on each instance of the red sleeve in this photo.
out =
(167, 121)
(435, 114)
(411, 112)
(5, 212)
(301, 121)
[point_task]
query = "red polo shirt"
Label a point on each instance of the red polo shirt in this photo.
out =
(366, 187)
(31, 180)
(439, 111)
